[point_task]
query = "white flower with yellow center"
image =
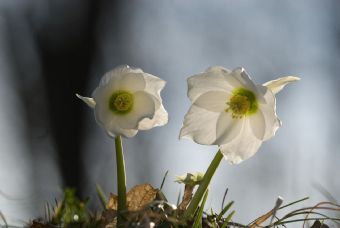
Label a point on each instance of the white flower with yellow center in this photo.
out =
(128, 100)
(230, 111)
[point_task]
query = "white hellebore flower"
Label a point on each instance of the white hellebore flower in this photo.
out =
(128, 100)
(230, 111)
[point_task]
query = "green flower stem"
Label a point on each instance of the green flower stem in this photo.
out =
(121, 179)
(189, 213)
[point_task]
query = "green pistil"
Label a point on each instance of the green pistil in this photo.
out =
(242, 102)
(121, 102)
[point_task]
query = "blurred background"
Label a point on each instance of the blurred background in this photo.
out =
(52, 49)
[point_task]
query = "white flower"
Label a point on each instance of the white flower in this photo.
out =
(229, 110)
(128, 100)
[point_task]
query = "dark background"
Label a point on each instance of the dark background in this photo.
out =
(52, 49)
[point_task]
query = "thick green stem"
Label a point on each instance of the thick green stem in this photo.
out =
(189, 213)
(121, 179)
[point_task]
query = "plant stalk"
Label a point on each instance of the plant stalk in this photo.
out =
(189, 213)
(121, 180)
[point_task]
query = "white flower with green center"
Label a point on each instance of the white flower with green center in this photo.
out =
(230, 111)
(128, 100)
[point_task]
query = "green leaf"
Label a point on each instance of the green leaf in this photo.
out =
(101, 196)
(225, 209)
(225, 223)
(165, 175)
(198, 220)
(294, 202)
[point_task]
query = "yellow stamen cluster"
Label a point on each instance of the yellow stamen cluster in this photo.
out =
(238, 105)
(242, 102)
(121, 102)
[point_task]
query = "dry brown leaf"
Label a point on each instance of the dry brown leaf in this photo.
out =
(262, 219)
(113, 202)
(269, 214)
(136, 198)
(140, 195)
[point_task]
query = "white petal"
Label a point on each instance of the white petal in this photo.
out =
(268, 109)
(132, 82)
(113, 76)
(218, 69)
(88, 100)
(200, 125)
(227, 128)
(143, 107)
(103, 93)
(115, 130)
(128, 133)
(278, 84)
(160, 119)
(104, 116)
(242, 76)
(244, 146)
(117, 73)
(214, 101)
(214, 79)
(258, 124)
(119, 79)
(153, 85)
(107, 120)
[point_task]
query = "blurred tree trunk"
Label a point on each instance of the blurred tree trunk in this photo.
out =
(66, 45)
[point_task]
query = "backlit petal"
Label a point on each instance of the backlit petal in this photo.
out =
(232, 81)
(200, 125)
(120, 79)
(227, 128)
(160, 119)
(115, 130)
(211, 80)
(244, 146)
(258, 124)
(102, 111)
(278, 84)
(242, 76)
(88, 100)
(153, 85)
(115, 75)
(214, 101)
(268, 110)
(132, 82)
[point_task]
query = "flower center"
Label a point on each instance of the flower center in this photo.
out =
(241, 103)
(121, 102)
